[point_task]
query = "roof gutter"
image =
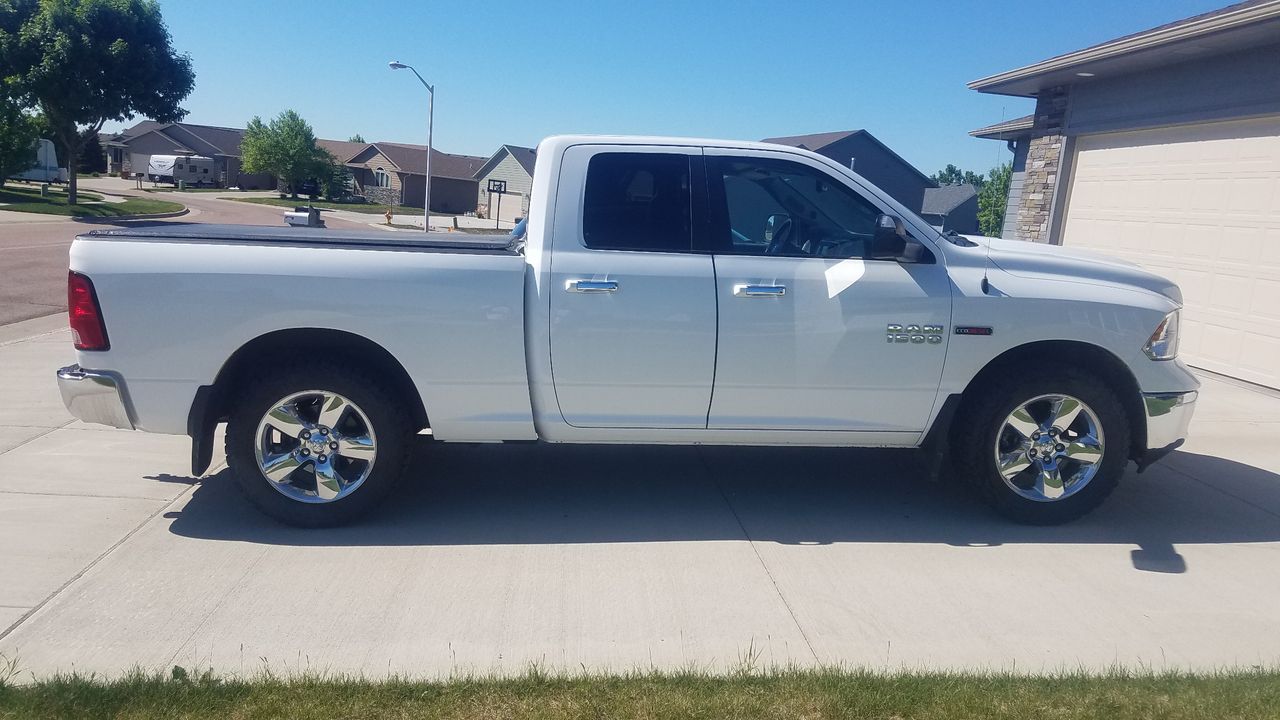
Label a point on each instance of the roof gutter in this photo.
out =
(1145, 41)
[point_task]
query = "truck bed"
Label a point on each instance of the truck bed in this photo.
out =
(179, 299)
(321, 237)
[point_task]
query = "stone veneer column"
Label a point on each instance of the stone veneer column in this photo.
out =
(1044, 159)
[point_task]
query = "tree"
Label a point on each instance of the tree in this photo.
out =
(356, 138)
(86, 62)
(952, 175)
(92, 157)
(992, 199)
(18, 135)
(285, 147)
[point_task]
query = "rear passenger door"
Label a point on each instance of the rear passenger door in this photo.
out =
(633, 308)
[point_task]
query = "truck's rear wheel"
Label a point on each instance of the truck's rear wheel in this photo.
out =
(316, 445)
(1043, 449)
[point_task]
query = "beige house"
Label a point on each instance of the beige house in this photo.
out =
(395, 173)
(129, 151)
(512, 166)
(1163, 148)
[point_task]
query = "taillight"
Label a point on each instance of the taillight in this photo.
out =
(87, 328)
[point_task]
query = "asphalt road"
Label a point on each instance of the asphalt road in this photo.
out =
(33, 249)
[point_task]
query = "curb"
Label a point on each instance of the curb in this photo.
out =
(33, 327)
(118, 218)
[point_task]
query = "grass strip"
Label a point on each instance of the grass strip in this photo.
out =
(322, 204)
(784, 694)
(28, 200)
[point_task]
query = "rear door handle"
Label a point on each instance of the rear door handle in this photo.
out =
(759, 290)
(591, 286)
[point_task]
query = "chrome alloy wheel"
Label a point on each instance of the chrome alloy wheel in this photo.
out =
(1049, 448)
(315, 446)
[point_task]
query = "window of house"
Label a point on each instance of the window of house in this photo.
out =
(193, 168)
(205, 171)
(779, 207)
(381, 178)
(638, 201)
(178, 166)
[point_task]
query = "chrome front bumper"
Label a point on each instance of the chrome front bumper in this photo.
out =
(95, 396)
(1168, 415)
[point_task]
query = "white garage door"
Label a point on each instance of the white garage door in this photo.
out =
(1199, 204)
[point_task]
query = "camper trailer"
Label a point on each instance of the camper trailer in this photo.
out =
(45, 169)
(194, 169)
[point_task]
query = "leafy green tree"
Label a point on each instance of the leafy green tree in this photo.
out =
(285, 147)
(93, 159)
(18, 135)
(992, 199)
(356, 138)
(336, 180)
(86, 62)
(952, 175)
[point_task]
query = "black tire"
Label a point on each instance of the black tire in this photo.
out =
(390, 423)
(982, 417)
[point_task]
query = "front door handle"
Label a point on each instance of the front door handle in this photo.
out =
(591, 286)
(759, 290)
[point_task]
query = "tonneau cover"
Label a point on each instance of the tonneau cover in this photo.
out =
(320, 237)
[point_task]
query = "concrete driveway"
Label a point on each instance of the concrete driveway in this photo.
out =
(495, 557)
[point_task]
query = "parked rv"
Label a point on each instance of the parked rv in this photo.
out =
(45, 168)
(194, 169)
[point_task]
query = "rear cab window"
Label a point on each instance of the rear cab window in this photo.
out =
(638, 201)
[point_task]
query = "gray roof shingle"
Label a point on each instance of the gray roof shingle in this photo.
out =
(412, 159)
(942, 200)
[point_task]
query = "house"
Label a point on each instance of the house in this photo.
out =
(1015, 133)
(952, 207)
(1163, 148)
(870, 158)
(512, 165)
(130, 151)
(395, 173)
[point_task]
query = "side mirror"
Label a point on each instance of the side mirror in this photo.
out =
(890, 239)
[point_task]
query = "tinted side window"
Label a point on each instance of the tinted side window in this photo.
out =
(777, 207)
(638, 201)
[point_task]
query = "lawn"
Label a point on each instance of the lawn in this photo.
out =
(784, 694)
(322, 204)
(24, 199)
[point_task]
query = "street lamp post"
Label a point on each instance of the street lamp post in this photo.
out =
(431, 102)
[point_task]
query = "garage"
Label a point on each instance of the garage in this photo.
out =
(1199, 204)
(1162, 147)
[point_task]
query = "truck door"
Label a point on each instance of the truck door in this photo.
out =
(633, 307)
(805, 321)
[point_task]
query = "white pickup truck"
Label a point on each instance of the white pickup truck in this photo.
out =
(662, 291)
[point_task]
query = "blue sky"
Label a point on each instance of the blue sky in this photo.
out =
(515, 72)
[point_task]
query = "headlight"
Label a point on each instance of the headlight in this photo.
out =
(1163, 343)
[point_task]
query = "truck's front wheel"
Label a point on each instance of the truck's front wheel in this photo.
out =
(1043, 449)
(315, 445)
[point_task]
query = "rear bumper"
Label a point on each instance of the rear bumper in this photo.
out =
(1168, 415)
(95, 396)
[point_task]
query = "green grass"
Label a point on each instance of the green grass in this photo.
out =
(23, 199)
(322, 204)
(783, 694)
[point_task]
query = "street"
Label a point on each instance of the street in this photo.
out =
(33, 248)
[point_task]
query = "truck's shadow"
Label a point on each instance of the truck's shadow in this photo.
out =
(496, 494)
